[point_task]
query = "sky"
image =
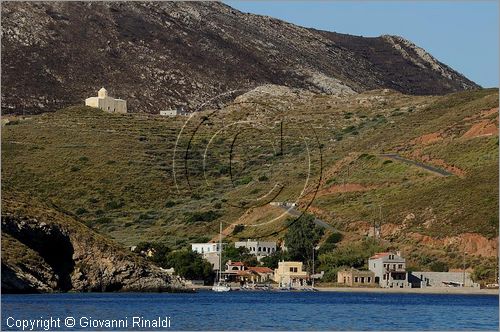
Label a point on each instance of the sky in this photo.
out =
(462, 34)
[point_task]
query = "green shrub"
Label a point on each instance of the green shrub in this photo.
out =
(244, 180)
(112, 205)
(169, 204)
(205, 216)
(80, 211)
(238, 229)
(263, 178)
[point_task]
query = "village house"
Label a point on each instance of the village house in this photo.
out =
(240, 273)
(106, 103)
(389, 269)
(290, 274)
(356, 278)
(264, 274)
(260, 249)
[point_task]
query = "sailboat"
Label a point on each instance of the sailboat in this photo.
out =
(220, 286)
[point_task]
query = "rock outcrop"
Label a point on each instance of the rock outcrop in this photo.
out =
(45, 250)
(158, 55)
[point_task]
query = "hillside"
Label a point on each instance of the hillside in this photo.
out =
(124, 176)
(158, 55)
(46, 250)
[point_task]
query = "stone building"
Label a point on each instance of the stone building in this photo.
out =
(389, 269)
(356, 278)
(107, 103)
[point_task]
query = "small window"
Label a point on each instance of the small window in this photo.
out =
(291, 269)
(355, 279)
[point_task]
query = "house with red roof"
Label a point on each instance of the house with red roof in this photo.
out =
(389, 269)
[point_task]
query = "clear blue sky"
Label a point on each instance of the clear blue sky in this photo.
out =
(461, 34)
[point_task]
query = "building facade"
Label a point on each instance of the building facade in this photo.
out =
(106, 103)
(422, 279)
(173, 112)
(203, 248)
(290, 274)
(258, 248)
(209, 251)
(356, 278)
(389, 269)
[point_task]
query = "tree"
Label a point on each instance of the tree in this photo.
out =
(240, 254)
(351, 255)
(190, 265)
(330, 243)
(302, 236)
(272, 260)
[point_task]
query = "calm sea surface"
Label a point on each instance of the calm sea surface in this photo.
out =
(259, 311)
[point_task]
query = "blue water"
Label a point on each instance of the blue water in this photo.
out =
(263, 310)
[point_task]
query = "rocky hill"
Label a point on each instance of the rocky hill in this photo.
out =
(45, 250)
(159, 55)
(116, 172)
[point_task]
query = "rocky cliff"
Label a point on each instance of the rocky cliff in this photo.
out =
(159, 55)
(45, 250)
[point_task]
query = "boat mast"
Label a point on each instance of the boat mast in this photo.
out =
(220, 252)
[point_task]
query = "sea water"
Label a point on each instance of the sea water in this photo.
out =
(241, 310)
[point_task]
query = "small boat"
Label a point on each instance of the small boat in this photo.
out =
(220, 286)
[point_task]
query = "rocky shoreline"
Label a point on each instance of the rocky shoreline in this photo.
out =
(45, 250)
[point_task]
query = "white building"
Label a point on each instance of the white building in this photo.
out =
(389, 269)
(258, 248)
(106, 103)
(209, 251)
(204, 248)
(173, 112)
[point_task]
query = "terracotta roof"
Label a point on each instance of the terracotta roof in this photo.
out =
(379, 255)
(244, 273)
(236, 264)
(260, 269)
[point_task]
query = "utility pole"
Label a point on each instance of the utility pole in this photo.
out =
(380, 221)
(463, 275)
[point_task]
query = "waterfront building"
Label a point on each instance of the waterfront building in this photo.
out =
(422, 279)
(290, 274)
(389, 269)
(209, 251)
(355, 278)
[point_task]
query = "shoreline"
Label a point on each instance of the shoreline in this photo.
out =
(429, 290)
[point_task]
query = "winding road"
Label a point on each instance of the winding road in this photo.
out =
(433, 169)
